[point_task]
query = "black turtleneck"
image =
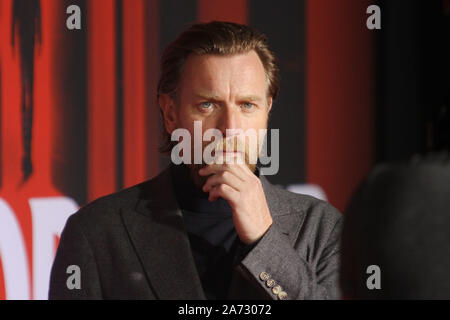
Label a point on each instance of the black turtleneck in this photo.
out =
(216, 248)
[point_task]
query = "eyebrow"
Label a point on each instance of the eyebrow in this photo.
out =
(212, 97)
(207, 96)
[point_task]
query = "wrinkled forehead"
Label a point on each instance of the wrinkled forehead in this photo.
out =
(224, 76)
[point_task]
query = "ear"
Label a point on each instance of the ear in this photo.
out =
(167, 105)
(269, 104)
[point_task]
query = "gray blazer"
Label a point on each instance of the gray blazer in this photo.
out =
(133, 245)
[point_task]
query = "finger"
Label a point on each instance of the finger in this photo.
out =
(225, 177)
(217, 168)
(224, 191)
(241, 171)
(237, 161)
(229, 158)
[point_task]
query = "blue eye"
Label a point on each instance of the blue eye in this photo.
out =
(206, 105)
(248, 105)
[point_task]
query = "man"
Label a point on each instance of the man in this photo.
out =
(216, 230)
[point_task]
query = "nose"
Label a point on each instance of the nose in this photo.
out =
(230, 118)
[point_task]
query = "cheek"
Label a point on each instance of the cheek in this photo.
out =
(258, 122)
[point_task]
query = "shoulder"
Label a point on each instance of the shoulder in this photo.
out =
(301, 203)
(106, 210)
(315, 216)
(313, 209)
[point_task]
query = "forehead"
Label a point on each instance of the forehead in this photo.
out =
(230, 74)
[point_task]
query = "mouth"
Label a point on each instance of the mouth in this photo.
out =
(224, 152)
(230, 156)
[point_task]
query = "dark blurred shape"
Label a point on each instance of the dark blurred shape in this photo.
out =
(441, 127)
(26, 22)
(399, 220)
(412, 78)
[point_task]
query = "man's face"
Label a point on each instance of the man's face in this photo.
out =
(223, 92)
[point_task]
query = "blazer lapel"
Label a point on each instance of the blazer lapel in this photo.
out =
(287, 220)
(158, 234)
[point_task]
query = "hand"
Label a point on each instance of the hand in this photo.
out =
(245, 195)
